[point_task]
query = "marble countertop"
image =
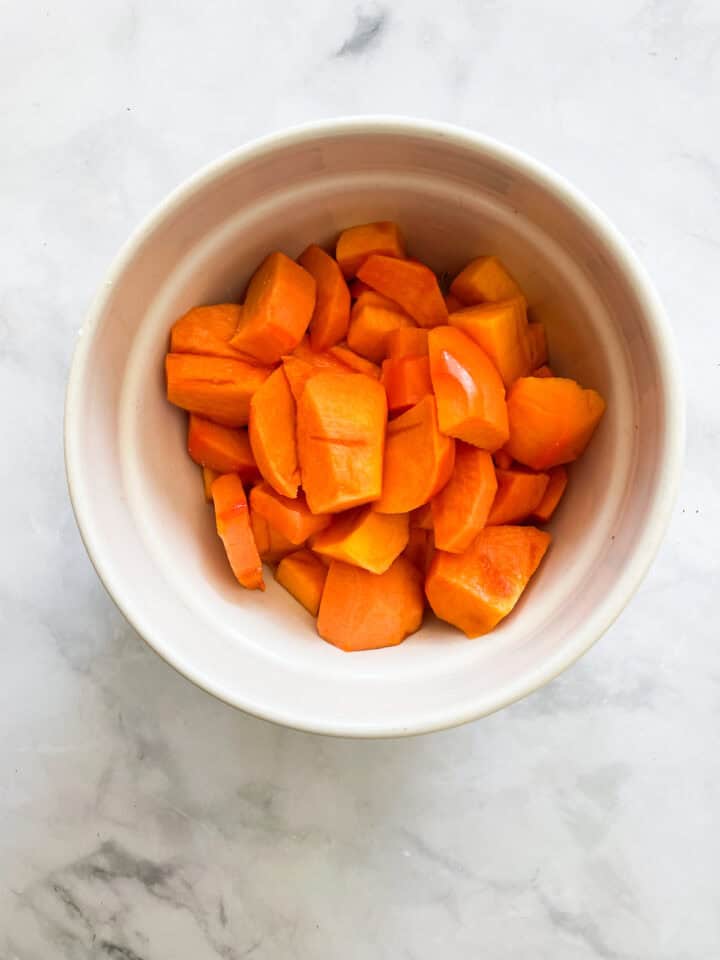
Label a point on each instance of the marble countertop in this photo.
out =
(142, 820)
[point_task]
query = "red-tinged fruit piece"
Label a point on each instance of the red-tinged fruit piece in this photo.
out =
(232, 520)
(470, 394)
(475, 590)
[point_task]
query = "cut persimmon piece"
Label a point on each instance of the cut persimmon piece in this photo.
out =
(331, 315)
(356, 244)
(272, 545)
(214, 387)
(272, 434)
(460, 510)
(373, 319)
(232, 520)
(303, 576)
(501, 330)
(223, 449)
(297, 373)
(552, 496)
(484, 279)
(407, 342)
(519, 493)
(502, 459)
(475, 590)
(363, 611)
(207, 331)
(300, 366)
(470, 394)
(406, 381)
(536, 346)
(278, 306)
(418, 459)
(209, 477)
(409, 283)
(353, 361)
(292, 518)
(551, 420)
(339, 357)
(364, 538)
(341, 437)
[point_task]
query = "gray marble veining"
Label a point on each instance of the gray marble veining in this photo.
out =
(142, 820)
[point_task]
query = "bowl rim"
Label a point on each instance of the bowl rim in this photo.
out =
(667, 477)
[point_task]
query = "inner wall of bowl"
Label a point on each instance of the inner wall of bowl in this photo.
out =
(261, 651)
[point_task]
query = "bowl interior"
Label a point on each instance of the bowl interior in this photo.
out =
(139, 497)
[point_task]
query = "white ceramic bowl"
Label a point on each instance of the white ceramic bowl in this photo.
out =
(138, 499)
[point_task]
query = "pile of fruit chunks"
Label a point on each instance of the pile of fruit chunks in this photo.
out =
(376, 441)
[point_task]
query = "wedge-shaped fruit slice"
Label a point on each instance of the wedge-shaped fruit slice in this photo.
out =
(364, 538)
(373, 319)
(222, 449)
(278, 306)
(470, 394)
(362, 611)
(207, 331)
(341, 437)
(484, 279)
(303, 575)
(460, 510)
(552, 496)
(232, 521)
(475, 590)
(291, 518)
(406, 381)
(551, 420)
(272, 434)
(501, 330)
(409, 283)
(215, 387)
(356, 244)
(519, 494)
(418, 459)
(332, 304)
(272, 545)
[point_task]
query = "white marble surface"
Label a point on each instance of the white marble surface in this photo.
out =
(142, 820)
